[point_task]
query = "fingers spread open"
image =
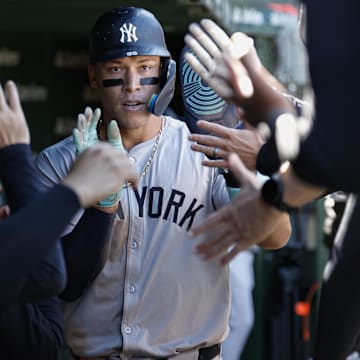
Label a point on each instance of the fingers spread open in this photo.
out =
(218, 35)
(3, 103)
(78, 141)
(197, 66)
(198, 59)
(237, 167)
(217, 241)
(210, 222)
(213, 128)
(81, 122)
(219, 163)
(95, 119)
(241, 81)
(240, 246)
(13, 96)
(208, 43)
(114, 136)
(88, 113)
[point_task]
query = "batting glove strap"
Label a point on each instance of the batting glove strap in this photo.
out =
(111, 200)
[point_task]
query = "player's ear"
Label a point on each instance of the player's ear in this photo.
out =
(92, 76)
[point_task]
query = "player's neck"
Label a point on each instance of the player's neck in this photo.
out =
(133, 136)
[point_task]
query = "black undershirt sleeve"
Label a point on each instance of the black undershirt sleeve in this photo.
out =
(31, 232)
(32, 331)
(88, 241)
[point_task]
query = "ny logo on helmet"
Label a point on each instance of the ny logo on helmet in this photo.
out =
(128, 30)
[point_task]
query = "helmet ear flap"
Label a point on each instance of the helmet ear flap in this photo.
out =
(159, 102)
(164, 69)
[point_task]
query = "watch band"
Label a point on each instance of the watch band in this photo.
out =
(272, 193)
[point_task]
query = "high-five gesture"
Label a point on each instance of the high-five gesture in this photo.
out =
(246, 221)
(13, 126)
(230, 65)
(99, 171)
(85, 136)
(212, 46)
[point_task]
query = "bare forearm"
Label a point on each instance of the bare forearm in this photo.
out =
(280, 236)
(298, 192)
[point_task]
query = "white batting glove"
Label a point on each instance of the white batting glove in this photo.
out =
(85, 136)
(114, 138)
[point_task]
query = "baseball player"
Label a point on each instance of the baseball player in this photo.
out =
(152, 297)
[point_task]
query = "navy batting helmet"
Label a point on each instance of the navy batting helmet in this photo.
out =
(127, 31)
(131, 31)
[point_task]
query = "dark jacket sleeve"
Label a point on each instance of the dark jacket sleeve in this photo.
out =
(28, 235)
(90, 231)
(20, 181)
(328, 157)
(87, 241)
(32, 331)
(18, 175)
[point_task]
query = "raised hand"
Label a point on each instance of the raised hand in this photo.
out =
(246, 221)
(13, 126)
(245, 143)
(98, 172)
(211, 47)
(85, 134)
(232, 68)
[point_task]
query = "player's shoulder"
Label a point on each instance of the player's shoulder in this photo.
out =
(62, 145)
(64, 149)
(176, 125)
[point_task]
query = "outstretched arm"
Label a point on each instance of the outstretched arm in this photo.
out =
(231, 67)
(248, 220)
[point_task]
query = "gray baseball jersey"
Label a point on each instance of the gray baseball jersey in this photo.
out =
(154, 296)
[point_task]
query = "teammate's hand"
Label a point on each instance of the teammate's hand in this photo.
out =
(4, 212)
(85, 134)
(212, 47)
(245, 143)
(246, 221)
(231, 67)
(13, 126)
(98, 172)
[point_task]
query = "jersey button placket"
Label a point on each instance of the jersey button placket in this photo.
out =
(133, 266)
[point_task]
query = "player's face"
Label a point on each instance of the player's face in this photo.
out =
(126, 85)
